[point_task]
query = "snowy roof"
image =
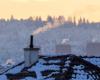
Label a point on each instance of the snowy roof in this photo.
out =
(57, 68)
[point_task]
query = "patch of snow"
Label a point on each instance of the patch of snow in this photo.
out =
(40, 67)
(95, 61)
(3, 77)
(17, 69)
(54, 61)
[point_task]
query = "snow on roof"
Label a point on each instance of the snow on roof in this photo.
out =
(3, 77)
(15, 70)
(53, 67)
(93, 60)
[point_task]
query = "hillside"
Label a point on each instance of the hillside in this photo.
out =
(14, 36)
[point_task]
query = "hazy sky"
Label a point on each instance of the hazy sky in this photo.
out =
(89, 9)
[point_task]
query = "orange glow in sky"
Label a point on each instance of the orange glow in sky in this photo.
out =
(90, 9)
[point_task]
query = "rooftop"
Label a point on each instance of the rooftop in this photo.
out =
(63, 67)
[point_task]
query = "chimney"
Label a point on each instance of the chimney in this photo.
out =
(31, 41)
(31, 53)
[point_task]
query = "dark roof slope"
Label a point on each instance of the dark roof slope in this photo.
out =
(67, 67)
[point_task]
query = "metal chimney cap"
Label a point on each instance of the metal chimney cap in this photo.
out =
(31, 42)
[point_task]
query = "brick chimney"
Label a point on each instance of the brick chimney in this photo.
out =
(31, 53)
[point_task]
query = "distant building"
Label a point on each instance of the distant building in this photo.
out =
(93, 48)
(63, 48)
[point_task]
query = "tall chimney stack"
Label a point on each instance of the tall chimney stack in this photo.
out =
(31, 42)
(31, 53)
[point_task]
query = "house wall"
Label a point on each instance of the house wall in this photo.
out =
(30, 57)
